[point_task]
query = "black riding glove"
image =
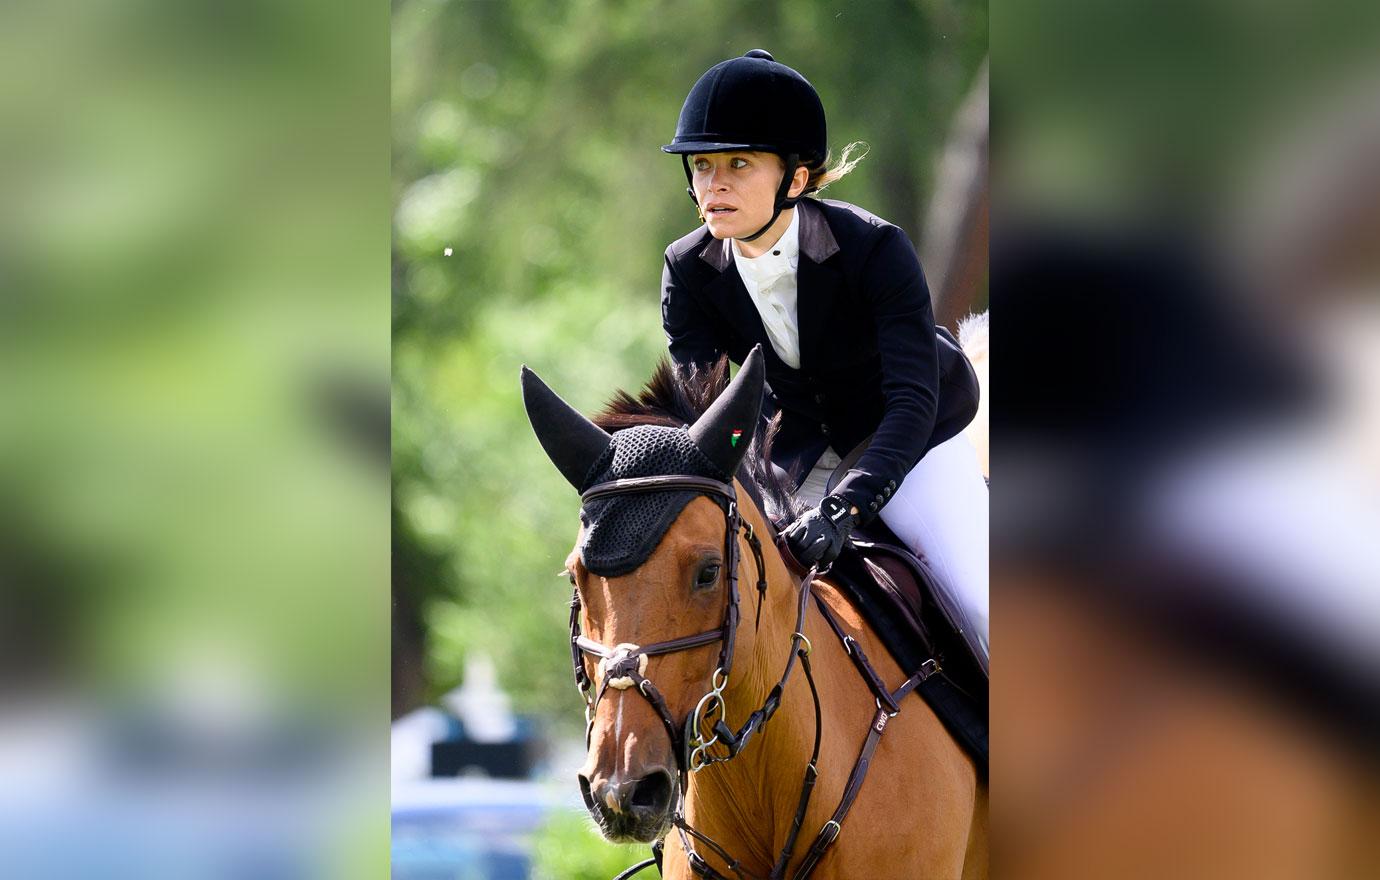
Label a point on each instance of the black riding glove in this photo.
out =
(817, 537)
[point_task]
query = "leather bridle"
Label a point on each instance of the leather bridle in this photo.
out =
(623, 666)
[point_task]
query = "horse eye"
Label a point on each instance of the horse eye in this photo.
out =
(709, 575)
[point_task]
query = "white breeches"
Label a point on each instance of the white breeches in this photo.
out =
(939, 512)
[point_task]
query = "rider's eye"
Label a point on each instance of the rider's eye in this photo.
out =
(709, 575)
(738, 162)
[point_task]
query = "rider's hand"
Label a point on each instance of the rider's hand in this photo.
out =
(817, 537)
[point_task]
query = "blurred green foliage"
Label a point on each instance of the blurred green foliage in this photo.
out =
(190, 305)
(1147, 107)
(568, 847)
(194, 356)
(525, 141)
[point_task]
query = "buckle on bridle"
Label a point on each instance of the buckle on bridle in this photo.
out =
(827, 835)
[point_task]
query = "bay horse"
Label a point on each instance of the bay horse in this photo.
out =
(830, 777)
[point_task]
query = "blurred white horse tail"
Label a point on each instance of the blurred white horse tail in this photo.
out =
(972, 335)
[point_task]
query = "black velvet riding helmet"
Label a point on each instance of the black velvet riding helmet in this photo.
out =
(752, 103)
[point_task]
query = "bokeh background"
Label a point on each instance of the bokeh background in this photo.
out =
(525, 146)
(1186, 486)
(194, 359)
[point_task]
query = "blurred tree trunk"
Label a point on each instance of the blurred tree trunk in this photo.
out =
(956, 233)
(901, 185)
(408, 653)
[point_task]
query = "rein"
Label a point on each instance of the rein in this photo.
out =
(624, 665)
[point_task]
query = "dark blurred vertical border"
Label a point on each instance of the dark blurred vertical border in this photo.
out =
(194, 342)
(1185, 478)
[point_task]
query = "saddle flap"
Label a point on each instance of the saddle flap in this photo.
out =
(895, 592)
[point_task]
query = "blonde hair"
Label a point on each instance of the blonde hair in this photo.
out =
(822, 174)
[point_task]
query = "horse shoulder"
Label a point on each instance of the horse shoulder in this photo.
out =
(918, 801)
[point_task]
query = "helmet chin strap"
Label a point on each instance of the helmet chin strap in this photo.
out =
(792, 161)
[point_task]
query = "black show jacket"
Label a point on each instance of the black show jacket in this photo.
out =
(871, 361)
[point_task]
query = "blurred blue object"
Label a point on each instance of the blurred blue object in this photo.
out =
(467, 829)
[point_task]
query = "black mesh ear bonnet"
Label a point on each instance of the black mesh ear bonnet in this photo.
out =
(623, 530)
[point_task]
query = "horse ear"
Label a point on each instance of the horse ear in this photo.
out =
(571, 441)
(725, 430)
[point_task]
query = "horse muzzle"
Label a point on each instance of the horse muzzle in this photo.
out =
(629, 810)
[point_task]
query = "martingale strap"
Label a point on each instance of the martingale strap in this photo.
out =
(830, 831)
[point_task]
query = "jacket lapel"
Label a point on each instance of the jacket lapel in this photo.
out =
(726, 292)
(818, 285)
(818, 281)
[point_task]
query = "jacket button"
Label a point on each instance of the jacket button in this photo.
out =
(886, 490)
(819, 398)
(877, 501)
(873, 506)
(824, 429)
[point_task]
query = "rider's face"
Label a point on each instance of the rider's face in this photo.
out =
(737, 190)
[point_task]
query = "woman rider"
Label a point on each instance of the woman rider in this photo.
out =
(838, 300)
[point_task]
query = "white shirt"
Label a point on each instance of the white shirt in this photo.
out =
(771, 285)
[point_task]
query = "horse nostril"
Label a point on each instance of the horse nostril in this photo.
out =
(653, 791)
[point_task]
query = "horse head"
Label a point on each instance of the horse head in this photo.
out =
(655, 575)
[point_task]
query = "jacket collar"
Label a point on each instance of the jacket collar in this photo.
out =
(816, 238)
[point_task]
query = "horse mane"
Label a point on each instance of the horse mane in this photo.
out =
(676, 396)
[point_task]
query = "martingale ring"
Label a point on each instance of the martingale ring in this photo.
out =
(715, 684)
(710, 703)
(698, 761)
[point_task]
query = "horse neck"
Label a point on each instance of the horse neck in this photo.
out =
(729, 801)
(762, 649)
